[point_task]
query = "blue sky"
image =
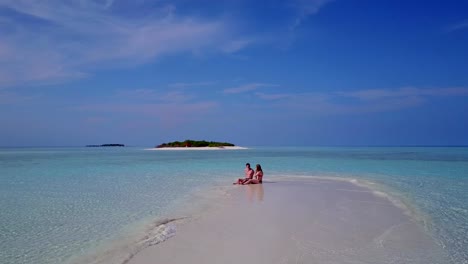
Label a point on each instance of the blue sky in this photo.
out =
(300, 72)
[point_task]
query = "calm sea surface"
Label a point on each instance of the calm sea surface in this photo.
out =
(57, 203)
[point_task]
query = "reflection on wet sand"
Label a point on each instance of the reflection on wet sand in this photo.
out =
(255, 192)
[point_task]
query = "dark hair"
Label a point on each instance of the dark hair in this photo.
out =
(258, 167)
(247, 164)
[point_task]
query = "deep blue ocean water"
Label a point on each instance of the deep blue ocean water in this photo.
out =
(57, 203)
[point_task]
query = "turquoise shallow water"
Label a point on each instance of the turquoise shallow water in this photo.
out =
(57, 203)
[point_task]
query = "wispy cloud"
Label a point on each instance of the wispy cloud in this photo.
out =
(306, 8)
(236, 45)
(166, 115)
(266, 96)
(13, 98)
(165, 108)
(187, 85)
(64, 39)
(459, 26)
(4, 50)
(152, 95)
(377, 94)
(94, 120)
(245, 88)
(359, 101)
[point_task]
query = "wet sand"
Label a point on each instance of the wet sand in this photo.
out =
(298, 221)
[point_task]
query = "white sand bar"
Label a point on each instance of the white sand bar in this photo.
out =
(298, 221)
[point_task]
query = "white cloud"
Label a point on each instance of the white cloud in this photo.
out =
(166, 109)
(187, 85)
(13, 98)
(176, 96)
(146, 95)
(245, 88)
(359, 101)
(460, 26)
(305, 8)
(64, 39)
(167, 115)
(4, 50)
(236, 45)
(376, 94)
(272, 96)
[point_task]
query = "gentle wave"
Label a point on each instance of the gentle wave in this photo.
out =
(121, 251)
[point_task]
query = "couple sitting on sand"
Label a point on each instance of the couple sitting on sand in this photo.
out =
(251, 177)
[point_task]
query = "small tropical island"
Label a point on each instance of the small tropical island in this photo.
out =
(195, 144)
(105, 145)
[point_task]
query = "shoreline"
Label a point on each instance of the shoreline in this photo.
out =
(297, 220)
(199, 148)
(397, 198)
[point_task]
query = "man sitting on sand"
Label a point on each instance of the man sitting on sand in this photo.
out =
(249, 173)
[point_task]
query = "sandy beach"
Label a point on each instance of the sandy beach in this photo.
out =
(298, 221)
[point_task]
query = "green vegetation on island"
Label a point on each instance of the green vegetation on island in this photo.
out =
(194, 143)
(105, 145)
